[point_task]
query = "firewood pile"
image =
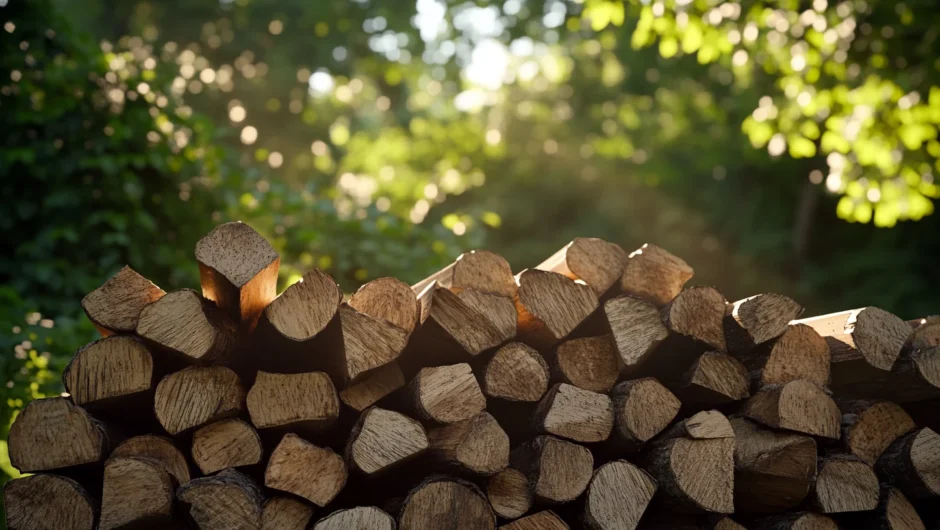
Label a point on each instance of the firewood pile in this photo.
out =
(594, 391)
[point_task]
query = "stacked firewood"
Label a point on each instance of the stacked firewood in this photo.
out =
(593, 391)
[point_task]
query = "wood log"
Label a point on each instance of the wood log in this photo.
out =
(617, 496)
(551, 306)
(704, 425)
(196, 396)
(446, 504)
(725, 523)
(866, 336)
(642, 409)
(509, 493)
(596, 262)
(285, 513)
(844, 484)
(111, 373)
(293, 402)
(637, 328)
(52, 433)
(799, 353)
(797, 406)
(714, 379)
(773, 471)
(387, 299)
(368, 343)
(894, 512)
(189, 327)
(796, 521)
(698, 313)
(446, 394)
(480, 270)
(314, 473)
(544, 520)
(574, 413)
(915, 377)
(926, 333)
(654, 274)
(373, 386)
(358, 518)
(477, 445)
(228, 500)
(138, 493)
(47, 502)
(558, 470)
(758, 319)
(226, 444)
(156, 448)
(238, 269)
(869, 427)
(516, 373)
(382, 439)
(590, 363)
(912, 464)
(115, 306)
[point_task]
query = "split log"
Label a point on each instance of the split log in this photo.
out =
(714, 379)
(799, 353)
(758, 319)
(894, 512)
(373, 386)
(590, 363)
(866, 336)
(158, 449)
(297, 466)
(196, 396)
(870, 427)
(138, 493)
(226, 444)
(698, 313)
(446, 504)
(228, 500)
(654, 274)
(704, 425)
(47, 502)
(509, 493)
(773, 471)
(617, 496)
(912, 464)
(477, 445)
(845, 484)
(238, 269)
(544, 520)
(516, 373)
(188, 326)
(796, 521)
(382, 439)
(358, 518)
(446, 394)
(926, 333)
(574, 413)
(596, 262)
(637, 328)
(285, 513)
(642, 409)
(558, 470)
(115, 306)
(797, 406)
(368, 343)
(551, 306)
(297, 402)
(480, 270)
(389, 300)
(52, 433)
(111, 373)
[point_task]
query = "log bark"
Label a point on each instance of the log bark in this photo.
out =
(845, 484)
(544, 520)
(226, 501)
(637, 329)
(926, 333)
(912, 464)
(138, 493)
(516, 373)
(196, 396)
(446, 504)
(617, 496)
(189, 327)
(551, 307)
(52, 433)
(654, 274)
(796, 521)
(480, 270)
(870, 427)
(446, 394)
(642, 409)
(285, 513)
(115, 306)
(714, 379)
(866, 336)
(580, 415)
(158, 449)
(590, 363)
(799, 353)
(372, 387)
(226, 444)
(48, 502)
(509, 493)
(758, 319)
(293, 402)
(477, 445)
(558, 470)
(358, 518)
(298, 467)
(382, 439)
(596, 262)
(797, 406)
(111, 374)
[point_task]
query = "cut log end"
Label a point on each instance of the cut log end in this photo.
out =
(473, 320)
(698, 313)
(447, 394)
(800, 353)
(654, 274)
(52, 433)
(544, 520)
(305, 401)
(637, 329)
(158, 449)
(374, 386)
(617, 496)
(478, 445)
(574, 413)
(115, 306)
(108, 372)
(226, 501)
(189, 326)
(715, 379)
(285, 513)
(912, 464)
(382, 439)
(47, 502)
(197, 396)
(558, 470)
(758, 319)
(484, 271)
(897, 512)
(642, 409)
(298, 467)
(871, 427)
(516, 373)
(797, 406)
(869, 333)
(446, 504)
(368, 343)
(224, 444)
(590, 363)
(596, 262)
(305, 308)
(137, 493)
(509, 493)
(388, 300)
(360, 517)
(696, 474)
(845, 484)
(551, 306)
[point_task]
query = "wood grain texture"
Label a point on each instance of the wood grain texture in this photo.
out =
(470, 322)
(306, 402)
(796, 521)
(314, 473)
(894, 512)
(382, 439)
(590, 363)
(477, 445)
(516, 372)
(758, 319)
(446, 394)
(869, 427)
(797, 406)
(108, 372)
(596, 262)
(617, 496)
(305, 308)
(224, 444)
(509, 493)
(654, 274)
(637, 329)
(845, 484)
(799, 353)
(580, 415)
(698, 313)
(374, 386)
(446, 504)
(285, 513)
(115, 306)
(714, 379)
(480, 270)
(368, 343)
(389, 300)
(138, 493)
(196, 396)
(551, 306)
(238, 269)
(642, 409)
(912, 464)
(47, 502)
(869, 335)
(189, 326)
(52, 433)
(228, 500)
(558, 470)
(159, 449)
(544, 520)
(358, 518)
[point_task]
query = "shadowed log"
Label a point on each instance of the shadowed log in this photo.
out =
(446, 504)
(478, 445)
(590, 363)
(758, 319)
(799, 353)
(158, 449)
(698, 313)
(617, 496)
(642, 409)
(138, 493)
(225, 444)
(304, 402)
(226, 501)
(358, 518)
(52, 433)
(869, 427)
(544, 520)
(516, 373)
(571, 412)
(912, 464)
(596, 262)
(894, 512)
(285, 513)
(47, 502)
(551, 306)
(558, 470)
(374, 386)
(714, 379)
(115, 306)
(796, 521)
(188, 326)
(637, 329)
(111, 374)
(654, 274)
(844, 484)
(196, 396)
(797, 406)
(446, 394)
(297, 466)
(509, 493)
(382, 439)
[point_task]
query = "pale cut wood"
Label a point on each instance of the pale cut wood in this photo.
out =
(596, 262)
(47, 502)
(446, 504)
(52, 433)
(305, 308)
(868, 335)
(372, 387)
(558, 470)
(285, 513)
(642, 409)
(196, 396)
(698, 313)
(297, 466)
(758, 319)
(714, 379)
(480, 270)
(238, 269)
(225, 444)
(654, 274)
(797, 406)
(773, 471)
(704, 425)
(516, 373)
(358, 518)
(189, 326)
(388, 300)
(912, 464)
(446, 394)
(138, 493)
(368, 343)
(551, 306)
(467, 323)
(509, 493)
(637, 328)
(894, 512)
(382, 439)
(544, 520)
(796, 521)
(617, 496)
(306, 402)
(109, 372)
(159, 449)
(590, 363)
(845, 484)
(869, 427)
(228, 500)
(574, 413)
(499, 309)
(799, 353)
(478, 445)
(115, 306)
